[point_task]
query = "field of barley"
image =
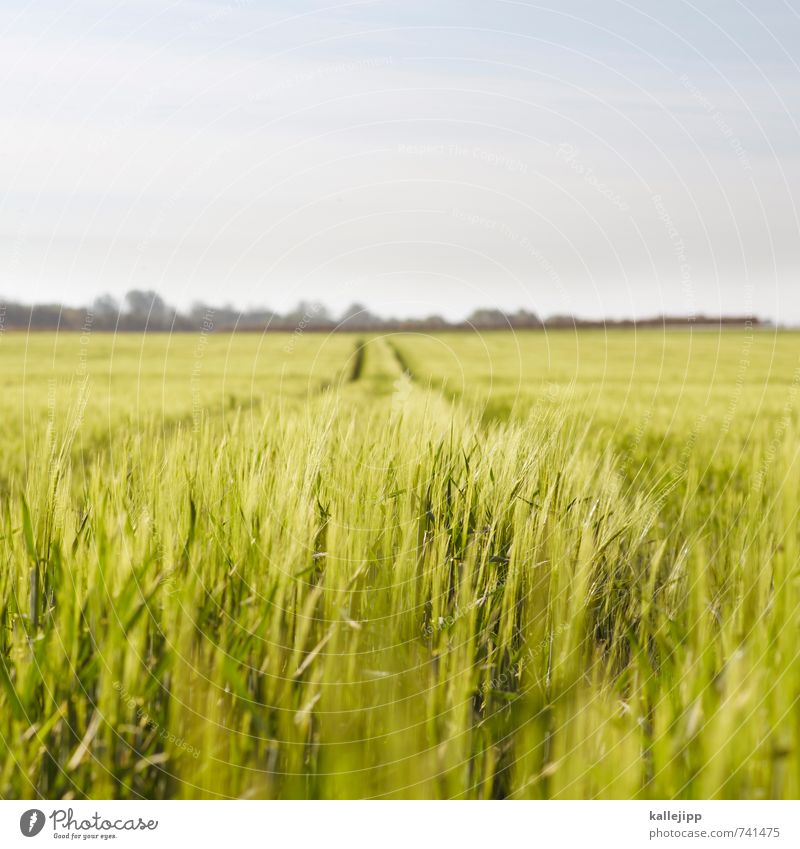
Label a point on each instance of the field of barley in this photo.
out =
(559, 565)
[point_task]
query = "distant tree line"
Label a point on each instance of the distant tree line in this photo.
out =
(147, 311)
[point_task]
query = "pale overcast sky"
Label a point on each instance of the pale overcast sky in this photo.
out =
(587, 156)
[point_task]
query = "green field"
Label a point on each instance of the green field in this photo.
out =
(543, 565)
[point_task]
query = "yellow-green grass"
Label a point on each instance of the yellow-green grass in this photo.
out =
(169, 380)
(571, 574)
(613, 376)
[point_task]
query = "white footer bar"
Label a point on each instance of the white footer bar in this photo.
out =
(405, 825)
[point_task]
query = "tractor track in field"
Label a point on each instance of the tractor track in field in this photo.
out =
(358, 360)
(405, 368)
(380, 369)
(451, 398)
(454, 399)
